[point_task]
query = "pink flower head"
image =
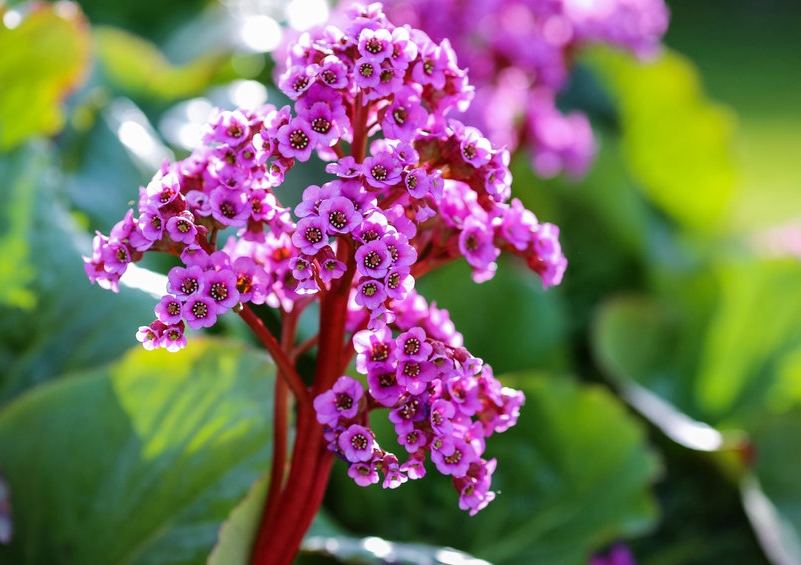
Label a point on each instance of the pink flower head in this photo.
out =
(356, 443)
(340, 213)
(382, 170)
(342, 401)
(363, 474)
(310, 235)
(296, 139)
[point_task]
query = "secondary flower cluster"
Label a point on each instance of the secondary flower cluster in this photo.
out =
(410, 190)
(520, 52)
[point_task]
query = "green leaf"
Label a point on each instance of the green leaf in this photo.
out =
(20, 171)
(678, 144)
(772, 498)
(572, 476)
(634, 337)
(757, 321)
(138, 462)
(44, 58)
(74, 325)
(138, 67)
(238, 532)
(491, 328)
(377, 551)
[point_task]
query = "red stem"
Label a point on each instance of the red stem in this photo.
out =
(281, 421)
(286, 370)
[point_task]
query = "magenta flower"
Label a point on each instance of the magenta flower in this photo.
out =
(356, 443)
(200, 312)
(363, 474)
(382, 170)
(169, 310)
(296, 139)
(310, 235)
(221, 288)
(340, 213)
(373, 259)
(383, 384)
(342, 401)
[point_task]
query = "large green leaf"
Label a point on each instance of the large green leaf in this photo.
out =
(678, 144)
(573, 475)
(44, 57)
(757, 322)
(74, 325)
(138, 462)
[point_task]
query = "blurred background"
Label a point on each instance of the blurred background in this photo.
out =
(663, 377)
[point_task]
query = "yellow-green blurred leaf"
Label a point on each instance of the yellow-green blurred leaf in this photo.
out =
(679, 144)
(758, 318)
(138, 67)
(43, 58)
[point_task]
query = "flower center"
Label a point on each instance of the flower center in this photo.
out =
(298, 139)
(387, 380)
(338, 219)
(369, 289)
(380, 352)
(412, 346)
(366, 70)
(400, 115)
(300, 83)
(314, 235)
(412, 370)
(228, 210)
(358, 441)
(200, 309)
(329, 76)
(454, 458)
(188, 286)
(321, 125)
(218, 291)
(372, 260)
(373, 46)
(343, 401)
(379, 172)
(174, 308)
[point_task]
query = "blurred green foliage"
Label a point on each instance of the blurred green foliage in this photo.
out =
(141, 456)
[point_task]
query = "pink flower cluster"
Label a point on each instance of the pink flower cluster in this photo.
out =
(411, 189)
(443, 403)
(520, 54)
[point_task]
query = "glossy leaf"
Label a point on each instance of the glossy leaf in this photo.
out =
(138, 462)
(573, 475)
(678, 144)
(758, 320)
(238, 532)
(45, 268)
(45, 57)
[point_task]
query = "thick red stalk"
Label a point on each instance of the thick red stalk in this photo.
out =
(286, 369)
